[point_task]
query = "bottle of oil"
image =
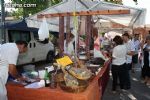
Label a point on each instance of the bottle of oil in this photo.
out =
(46, 78)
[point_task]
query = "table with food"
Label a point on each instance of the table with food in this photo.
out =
(67, 78)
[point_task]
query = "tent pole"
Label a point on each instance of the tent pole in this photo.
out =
(88, 35)
(61, 35)
(67, 30)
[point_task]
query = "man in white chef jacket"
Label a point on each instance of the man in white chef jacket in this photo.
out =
(8, 58)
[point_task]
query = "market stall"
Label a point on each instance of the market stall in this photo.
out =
(93, 92)
(77, 70)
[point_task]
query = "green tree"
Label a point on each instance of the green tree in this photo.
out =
(114, 1)
(17, 14)
(118, 1)
(29, 7)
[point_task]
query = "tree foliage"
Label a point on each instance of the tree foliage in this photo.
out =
(114, 1)
(39, 5)
(118, 1)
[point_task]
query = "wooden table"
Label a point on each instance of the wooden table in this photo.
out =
(94, 91)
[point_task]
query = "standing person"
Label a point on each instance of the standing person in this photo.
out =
(97, 52)
(146, 67)
(69, 48)
(8, 58)
(106, 43)
(137, 47)
(118, 63)
(130, 52)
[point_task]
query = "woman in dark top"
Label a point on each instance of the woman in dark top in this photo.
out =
(146, 67)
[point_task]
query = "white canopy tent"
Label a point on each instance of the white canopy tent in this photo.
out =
(135, 18)
(140, 4)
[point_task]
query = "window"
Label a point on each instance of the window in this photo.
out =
(15, 35)
(36, 36)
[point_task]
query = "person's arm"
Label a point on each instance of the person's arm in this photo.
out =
(131, 53)
(114, 53)
(13, 71)
(142, 44)
(12, 60)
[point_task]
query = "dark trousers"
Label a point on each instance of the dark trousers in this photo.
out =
(145, 71)
(118, 71)
(127, 76)
(135, 59)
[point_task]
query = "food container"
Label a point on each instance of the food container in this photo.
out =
(59, 77)
(82, 57)
(82, 53)
(97, 61)
(75, 89)
(93, 68)
(79, 73)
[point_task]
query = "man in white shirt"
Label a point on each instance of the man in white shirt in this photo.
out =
(130, 52)
(8, 58)
(137, 47)
(130, 48)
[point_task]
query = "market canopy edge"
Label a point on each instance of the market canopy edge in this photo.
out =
(135, 17)
(85, 13)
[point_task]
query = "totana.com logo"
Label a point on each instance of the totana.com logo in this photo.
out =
(15, 5)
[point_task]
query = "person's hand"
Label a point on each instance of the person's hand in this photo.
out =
(21, 79)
